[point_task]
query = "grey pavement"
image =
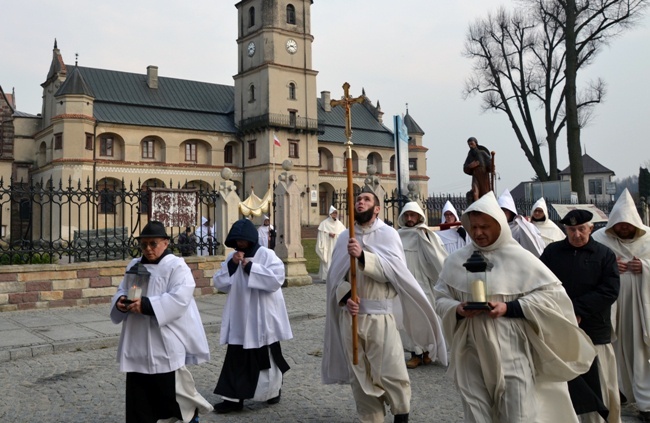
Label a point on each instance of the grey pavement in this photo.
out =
(59, 365)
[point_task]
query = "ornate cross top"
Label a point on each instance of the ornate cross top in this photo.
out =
(346, 101)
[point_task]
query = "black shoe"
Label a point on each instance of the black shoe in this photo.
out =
(622, 397)
(645, 416)
(275, 400)
(401, 418)
(228, 406)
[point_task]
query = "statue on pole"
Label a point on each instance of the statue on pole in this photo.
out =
(480, 165)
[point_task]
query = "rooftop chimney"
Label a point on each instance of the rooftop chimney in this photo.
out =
(325, 95)
(152, 77)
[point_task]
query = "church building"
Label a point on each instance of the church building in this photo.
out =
(146, 129)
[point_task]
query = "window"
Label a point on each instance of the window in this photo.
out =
(292, 91)
(251, 149)
(413, 164)
(227, 154)
(595, 186)
(190, 152)
(292, 119)
(293, 149)
(147, 149)
(58, 141)
(392, 163)
(291, 14)
(251, 93)
(89, 141)
(320, 158)
(251, 17)
(106, 147)
(107, 196)
(371, 160)
(411, 141)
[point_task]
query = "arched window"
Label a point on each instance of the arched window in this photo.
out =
(251, 17)
(291, 14)
(292, 91)
(251, 93)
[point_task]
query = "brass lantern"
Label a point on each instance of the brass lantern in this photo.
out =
(136, 277)
(478, 268)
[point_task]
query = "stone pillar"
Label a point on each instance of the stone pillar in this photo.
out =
(227, 206)
(288, 244)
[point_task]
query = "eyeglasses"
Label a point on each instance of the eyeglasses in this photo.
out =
(152, 245)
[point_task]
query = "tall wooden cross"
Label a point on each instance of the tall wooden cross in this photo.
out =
(346, 101)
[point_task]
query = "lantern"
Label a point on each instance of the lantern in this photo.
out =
(477, 279)
(136, 277)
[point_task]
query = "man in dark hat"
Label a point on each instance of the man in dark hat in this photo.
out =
(254, 321)
(161, 333)
(477, 164)
(589, 273)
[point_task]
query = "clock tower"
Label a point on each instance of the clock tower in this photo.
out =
(275, 95)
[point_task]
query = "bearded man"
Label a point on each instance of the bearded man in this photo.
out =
(382, 277)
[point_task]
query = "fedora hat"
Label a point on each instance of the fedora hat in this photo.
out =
(153, 229)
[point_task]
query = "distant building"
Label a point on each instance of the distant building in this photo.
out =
(597, 179)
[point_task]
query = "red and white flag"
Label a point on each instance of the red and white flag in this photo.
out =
(276, 141)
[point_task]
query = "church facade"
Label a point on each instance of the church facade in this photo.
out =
(144, 129)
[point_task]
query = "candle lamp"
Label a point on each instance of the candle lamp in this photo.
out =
(137, 277)
(477, 267)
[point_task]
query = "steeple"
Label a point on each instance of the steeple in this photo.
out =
(57, 67)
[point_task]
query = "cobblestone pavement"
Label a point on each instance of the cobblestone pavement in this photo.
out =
(85, 386)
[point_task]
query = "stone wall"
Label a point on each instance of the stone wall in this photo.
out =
(24, 287)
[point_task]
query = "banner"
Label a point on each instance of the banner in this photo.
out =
(401, 155)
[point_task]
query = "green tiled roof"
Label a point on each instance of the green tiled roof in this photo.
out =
(122, 97)
(366, 130)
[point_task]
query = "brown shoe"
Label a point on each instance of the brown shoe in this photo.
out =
(415, 361)
(426, 359)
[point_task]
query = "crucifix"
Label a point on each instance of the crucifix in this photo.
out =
(346, 102)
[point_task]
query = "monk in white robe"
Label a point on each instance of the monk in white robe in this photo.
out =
(510, 363)
(264, 232)
(454, 237)
(328, 232)
(206, 238)
(425, 255)
(382, 277)
(254, 321)
(629, 238)
(524, 232)
(162, 332)
(549, 231)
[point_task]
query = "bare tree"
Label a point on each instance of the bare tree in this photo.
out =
(587, 25)
(520, 68)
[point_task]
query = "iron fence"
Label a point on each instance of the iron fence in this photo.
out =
(52, 222)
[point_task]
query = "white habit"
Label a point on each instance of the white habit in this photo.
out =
(425, 255)
(328, 232)
(381, 374)
(524, 232)
(451, 238)
(263, 233)
(549, 231)
(632, 315)
(511, 369)
(205, 237)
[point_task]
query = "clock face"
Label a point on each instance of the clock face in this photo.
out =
(251, 49)
(292, 46)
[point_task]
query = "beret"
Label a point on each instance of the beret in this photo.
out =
(577, 217)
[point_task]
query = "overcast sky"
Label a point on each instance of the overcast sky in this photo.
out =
(409, 53)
